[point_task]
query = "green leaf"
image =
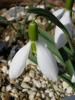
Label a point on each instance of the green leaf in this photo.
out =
(69, 67)
(68, 51)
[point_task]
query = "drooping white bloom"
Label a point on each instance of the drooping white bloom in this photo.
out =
(19, 61)
(73, 78)
(45, 60)
(59, 37)
(58, 13)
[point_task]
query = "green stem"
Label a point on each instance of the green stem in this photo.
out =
(69, 5)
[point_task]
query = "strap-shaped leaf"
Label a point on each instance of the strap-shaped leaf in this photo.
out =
(69, 67)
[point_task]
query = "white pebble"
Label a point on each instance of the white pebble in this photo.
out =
(4, 69)
(32, 74)
(24, 85)
(69, 90)
(7, 38)
(51, 94)
(37, 83)
(65, 85)
(31, 96)
(43, 96)
(26, 79)
(8, 88)
(14, 90)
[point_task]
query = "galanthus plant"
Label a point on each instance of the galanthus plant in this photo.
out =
(66, 20)
(59, 37)
(46, 50)
(64, 33)
(45, 59)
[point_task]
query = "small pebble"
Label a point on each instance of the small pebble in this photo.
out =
(31, 96)
(26, 79)
(4, 69)
(69, 90)
(7, 38)
(24, 85)
(37, 83)
(8, 88)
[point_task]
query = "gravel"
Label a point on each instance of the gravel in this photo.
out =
(31, 85)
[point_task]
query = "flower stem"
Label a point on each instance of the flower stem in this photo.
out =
(69, 4)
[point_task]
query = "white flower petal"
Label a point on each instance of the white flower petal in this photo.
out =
(42, 40)
(46, 62)
(60, 38)
(19, 61)
(58, 13)
(73, 78)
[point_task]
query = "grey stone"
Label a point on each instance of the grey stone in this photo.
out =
(69, 98)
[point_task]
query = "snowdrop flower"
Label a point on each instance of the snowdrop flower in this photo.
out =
(46, 62)
(59, 37)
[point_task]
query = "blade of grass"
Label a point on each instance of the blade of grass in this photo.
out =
(69, 67)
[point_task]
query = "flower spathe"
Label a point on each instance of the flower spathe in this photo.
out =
(45, 60)
(59, 37)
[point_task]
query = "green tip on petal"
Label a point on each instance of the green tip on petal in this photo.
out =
(33, 47)
(32, 31)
